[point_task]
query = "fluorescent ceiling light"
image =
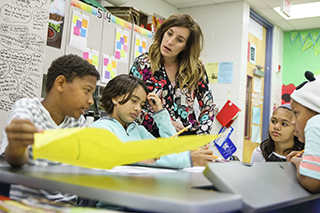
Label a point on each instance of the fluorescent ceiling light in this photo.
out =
(302, 11)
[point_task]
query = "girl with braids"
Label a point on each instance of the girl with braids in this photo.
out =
(281, 139)
(173, 71)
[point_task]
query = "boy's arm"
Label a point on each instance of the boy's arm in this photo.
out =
(311, 184)
(20, 134)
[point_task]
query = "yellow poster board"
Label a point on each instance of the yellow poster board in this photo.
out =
(101, 149)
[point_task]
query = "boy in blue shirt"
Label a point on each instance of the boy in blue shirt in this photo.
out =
(305, 104)
(123, 99)
(70, 84)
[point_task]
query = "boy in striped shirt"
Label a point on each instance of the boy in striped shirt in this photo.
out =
(305, 104)
(70, 84)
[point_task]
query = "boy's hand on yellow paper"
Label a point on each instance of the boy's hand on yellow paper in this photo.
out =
(20, 133)
(202, 156)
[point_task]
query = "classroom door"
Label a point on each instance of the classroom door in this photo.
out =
(254, 90)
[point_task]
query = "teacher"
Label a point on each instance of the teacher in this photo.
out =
(173, 71)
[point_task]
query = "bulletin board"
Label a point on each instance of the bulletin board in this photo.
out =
(84, 33)
(115, 48)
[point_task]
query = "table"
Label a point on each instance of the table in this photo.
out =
(178, 191)
(264, 187)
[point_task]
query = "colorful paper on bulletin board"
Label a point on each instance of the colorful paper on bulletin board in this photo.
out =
(212, 71)
(225, 72)
(92, 56)
(121, 45)
(140, 45)
(79, 31)
(109, 68)
(101, 149)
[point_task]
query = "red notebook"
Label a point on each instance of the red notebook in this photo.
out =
(228, 114)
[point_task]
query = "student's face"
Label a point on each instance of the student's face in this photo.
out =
(77, 96)
(174, 41)
(300, 118)
(280, 128)
(128, 112)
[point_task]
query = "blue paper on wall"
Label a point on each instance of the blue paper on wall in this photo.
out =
(224, 143)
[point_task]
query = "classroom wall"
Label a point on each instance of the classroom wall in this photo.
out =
(226, 39)
(276, 71)
(301, 53)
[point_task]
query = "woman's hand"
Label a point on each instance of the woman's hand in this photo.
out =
(154, 101)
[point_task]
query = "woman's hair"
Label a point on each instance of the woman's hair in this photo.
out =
(121, 85)
(268, 146)
(191, 69)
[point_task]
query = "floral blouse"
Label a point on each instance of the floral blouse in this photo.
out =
(179, 103)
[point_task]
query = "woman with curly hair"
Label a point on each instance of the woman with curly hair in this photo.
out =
(172, 69)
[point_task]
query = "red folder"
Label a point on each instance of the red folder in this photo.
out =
(228, 114)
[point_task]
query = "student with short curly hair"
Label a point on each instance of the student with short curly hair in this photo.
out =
(70, 84)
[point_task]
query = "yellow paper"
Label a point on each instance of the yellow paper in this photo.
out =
(99, 148)
(212, 72)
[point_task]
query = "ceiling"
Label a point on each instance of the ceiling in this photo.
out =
(264, 8)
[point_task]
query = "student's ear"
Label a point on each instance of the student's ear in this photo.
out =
(60, 83)
(114, 101)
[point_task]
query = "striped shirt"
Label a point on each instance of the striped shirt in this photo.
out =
(310, 164)
(33, 110)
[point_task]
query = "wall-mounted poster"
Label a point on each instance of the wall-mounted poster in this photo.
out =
(56, 20)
